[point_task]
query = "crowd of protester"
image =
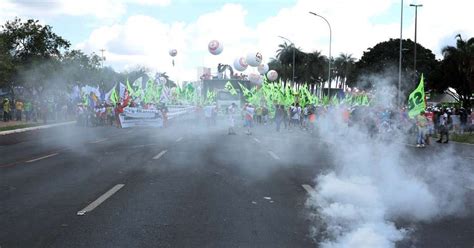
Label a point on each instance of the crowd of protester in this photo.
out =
(435, 122)
(36, 110)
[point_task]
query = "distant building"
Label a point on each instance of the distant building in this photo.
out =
(203, 73)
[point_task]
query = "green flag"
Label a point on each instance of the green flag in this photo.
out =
(244, 90)
(114, 97)
(365, 100)
(130, 89)
(416, 100)
(228, 86)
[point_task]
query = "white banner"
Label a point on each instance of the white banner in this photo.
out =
(138, 117)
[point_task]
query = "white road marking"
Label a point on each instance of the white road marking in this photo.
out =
(160, 154)
(308, 188)
(100, 200)
(47, 156)
(469, 187)
(98, 141)
(140, 146)
(470, 158)
(273, 155)
(257, 140)
(179, 139)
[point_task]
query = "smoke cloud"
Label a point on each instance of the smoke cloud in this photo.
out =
(377, 183)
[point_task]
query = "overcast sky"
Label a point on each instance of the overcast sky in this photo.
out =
(141, 32)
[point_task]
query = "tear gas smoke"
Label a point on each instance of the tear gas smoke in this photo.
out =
(374, 183)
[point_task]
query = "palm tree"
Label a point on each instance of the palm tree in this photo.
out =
(344, 64)
(285, 57)
(314, 69)
(458, 68)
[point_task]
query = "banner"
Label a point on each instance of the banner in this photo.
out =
(416, 100)
(138, 117)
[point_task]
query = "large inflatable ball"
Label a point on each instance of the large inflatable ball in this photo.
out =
(215, 47)
(255, 78)
(272, 75)
(240, 64)
(254, 59)
(262, 69)
(173, 52)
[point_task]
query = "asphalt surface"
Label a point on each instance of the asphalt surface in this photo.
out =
(183, 186)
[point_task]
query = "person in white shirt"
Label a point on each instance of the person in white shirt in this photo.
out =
(231, 111)
(208, 114)
(249, 112)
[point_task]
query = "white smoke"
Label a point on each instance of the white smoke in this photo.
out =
(376, 182)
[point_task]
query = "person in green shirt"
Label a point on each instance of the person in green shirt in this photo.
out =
(6, 109)
(422, 125)
(28, 109)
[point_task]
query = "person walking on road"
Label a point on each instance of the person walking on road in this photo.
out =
(249, 112)
(422, 124)
(231, 111)
(443, 128)
(279, 116)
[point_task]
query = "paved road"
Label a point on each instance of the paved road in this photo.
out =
(177, 187)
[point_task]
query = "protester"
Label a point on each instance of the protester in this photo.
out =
(208, 114)
(231, 112)
(249, 112)
(422, 125)
(6, 110)
(18, 110)
(443, 128)
(28, 109)
(279, 116)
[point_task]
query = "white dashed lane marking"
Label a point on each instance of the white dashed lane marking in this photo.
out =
(47, 156)
(308, 188)
(179, 139)
(273, 155)
(159, 155)
(98, 141)
(257, 140)
(100, 200)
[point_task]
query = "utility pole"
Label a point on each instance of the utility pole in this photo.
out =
(416, 24)
(400, 58)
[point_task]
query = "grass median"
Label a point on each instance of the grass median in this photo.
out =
(19, 126)
(464, 138)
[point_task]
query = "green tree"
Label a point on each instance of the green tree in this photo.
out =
(36, 52)
(457, 69)
(314, 69)
(7, 69)
(344, 66)
(383, 59)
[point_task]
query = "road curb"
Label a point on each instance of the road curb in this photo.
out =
(21, 130)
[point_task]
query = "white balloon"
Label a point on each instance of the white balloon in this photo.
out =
(254, 58)
(255, 78)
(240, 64)
(272, 75)
(215, 47)
(262, 69)
(173, 52)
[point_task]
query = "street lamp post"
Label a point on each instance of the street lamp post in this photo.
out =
(329, 59)
(416, 24)
(294, 48)
(400, 59)
(102, 57)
